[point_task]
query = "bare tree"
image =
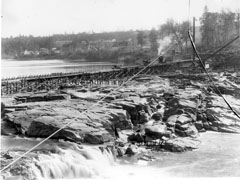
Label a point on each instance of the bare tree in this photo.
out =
(141, 38)
(217, 28)
(153, 41)
(172, 28)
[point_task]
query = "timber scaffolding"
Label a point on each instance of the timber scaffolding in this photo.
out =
(71, 80)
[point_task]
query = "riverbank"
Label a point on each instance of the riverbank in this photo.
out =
(148, 114)
(128, 58)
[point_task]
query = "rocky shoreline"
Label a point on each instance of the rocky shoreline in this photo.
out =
(150, 112)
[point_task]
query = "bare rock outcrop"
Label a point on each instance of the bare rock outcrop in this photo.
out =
(80, 121)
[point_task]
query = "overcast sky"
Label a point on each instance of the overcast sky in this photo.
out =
(47, 17)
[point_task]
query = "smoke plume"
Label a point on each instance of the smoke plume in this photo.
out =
(163, 44)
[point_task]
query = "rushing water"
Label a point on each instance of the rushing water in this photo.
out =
(14, 68)
(217, 156)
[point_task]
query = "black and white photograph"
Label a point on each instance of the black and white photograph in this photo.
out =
(120, 89)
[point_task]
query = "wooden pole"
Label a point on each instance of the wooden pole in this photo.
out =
(7, 87)
(193, 37)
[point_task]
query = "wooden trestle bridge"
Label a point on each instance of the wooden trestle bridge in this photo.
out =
(61, 80)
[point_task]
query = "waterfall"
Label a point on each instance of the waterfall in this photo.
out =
(81, 162)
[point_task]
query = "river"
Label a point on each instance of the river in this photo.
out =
(14, 68)
(217, 156)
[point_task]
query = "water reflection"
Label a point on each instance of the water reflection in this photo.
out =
(14, 68)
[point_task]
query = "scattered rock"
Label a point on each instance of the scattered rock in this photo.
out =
(181, 144)
(144, 117)
(121, 119)
(120, 151)
(131, 108)
(182, 109)
(183, 119)
(147, 109)
(42, 97)
(199, 125)
(7, 156)
(2, 110)
(109, 98)
(8, 128)
(157, 116)
(83, 90)
(131, 150)
(136, 137)
(44, 119)
(93, 139)
(157, 131)
(182, 125)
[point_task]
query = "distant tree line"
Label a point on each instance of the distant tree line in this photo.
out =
(15, 45)
(218, 28)
(177, 31)
(146, 37)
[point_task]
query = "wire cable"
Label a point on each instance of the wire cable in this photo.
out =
(127, 81)
(15, 160)
(202, 64)
(101, 99)
(224, 46)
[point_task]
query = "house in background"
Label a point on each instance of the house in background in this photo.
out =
(44, 51)
(64, 47)
(59, 44)
(102, 44)
(120, 46)
(55, 51)
(28, 53)
(133, 45)
(147, 45)
(67, 49)
(82, 46)
(125, 46)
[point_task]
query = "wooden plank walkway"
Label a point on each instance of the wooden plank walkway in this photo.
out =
(64, 80)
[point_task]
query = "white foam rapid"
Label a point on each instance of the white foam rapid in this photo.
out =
(83, 162)
(217, 156)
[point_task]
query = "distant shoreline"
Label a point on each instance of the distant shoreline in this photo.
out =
(112, 57)
(38, 58)
(48, 59)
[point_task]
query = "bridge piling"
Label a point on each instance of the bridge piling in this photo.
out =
(58, 80)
